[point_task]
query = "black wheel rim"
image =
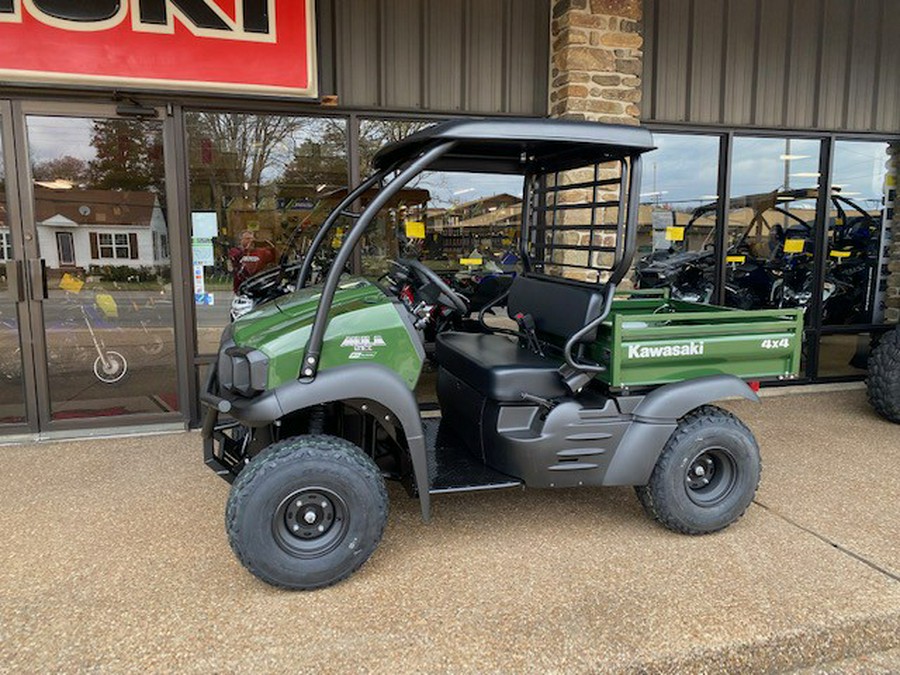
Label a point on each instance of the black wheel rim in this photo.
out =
(310, 522)
(710, 476)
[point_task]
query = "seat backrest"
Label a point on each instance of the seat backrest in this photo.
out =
(558, 308)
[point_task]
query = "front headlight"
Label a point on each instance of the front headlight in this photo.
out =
(243, 370)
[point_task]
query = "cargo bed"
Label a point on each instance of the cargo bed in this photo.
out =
(650, 339)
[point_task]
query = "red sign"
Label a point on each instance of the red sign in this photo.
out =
(231, 46)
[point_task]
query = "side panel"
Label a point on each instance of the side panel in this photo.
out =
(365, 326)
(570, 445)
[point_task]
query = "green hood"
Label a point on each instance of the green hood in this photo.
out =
(364, 325)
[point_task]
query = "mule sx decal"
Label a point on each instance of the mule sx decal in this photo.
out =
(363, 345)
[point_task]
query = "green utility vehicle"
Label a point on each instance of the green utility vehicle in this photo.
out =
(311, 404)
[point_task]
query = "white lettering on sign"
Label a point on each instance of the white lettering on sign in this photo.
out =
(691, 349)
(254, 20)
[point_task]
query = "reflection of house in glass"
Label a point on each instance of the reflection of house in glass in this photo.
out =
(489, 224)
(80, 229)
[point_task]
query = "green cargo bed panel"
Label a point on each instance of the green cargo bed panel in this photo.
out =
(657, 341)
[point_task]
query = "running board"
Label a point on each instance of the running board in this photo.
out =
(454, 469)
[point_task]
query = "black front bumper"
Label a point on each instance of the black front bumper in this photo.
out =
(224, 440)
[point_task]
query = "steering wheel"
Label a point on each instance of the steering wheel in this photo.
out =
(446, 295)
(262, 286)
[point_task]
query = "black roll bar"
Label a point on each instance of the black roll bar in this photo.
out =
(314, 347)
(336, 213)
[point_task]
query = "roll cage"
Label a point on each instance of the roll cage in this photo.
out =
(542, 151)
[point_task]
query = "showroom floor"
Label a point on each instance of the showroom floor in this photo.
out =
(113, 558)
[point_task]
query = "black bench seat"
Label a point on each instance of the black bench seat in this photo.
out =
(498, 368)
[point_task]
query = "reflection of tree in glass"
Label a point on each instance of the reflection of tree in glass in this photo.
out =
(319, 162)
(70, 169)
(375, 134)
(236, 155)
(265, 173)
(312, 183)
(129, 156)
(231, 158)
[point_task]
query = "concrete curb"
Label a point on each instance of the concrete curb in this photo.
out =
(786, 652)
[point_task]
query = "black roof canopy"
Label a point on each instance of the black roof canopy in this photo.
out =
(518, 146)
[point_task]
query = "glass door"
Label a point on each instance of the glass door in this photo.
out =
(95, 220)
(17, 401)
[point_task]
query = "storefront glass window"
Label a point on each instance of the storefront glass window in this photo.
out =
(857, 287)
(260, 185)
(856, 269)
(772, 223)
(677, 221)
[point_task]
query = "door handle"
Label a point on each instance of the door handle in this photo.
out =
(15, 279)
(37, 278)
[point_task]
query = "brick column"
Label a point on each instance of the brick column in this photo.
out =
(892, 203)
(596, 60)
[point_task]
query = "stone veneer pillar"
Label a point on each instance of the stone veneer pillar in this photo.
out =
(596, 60)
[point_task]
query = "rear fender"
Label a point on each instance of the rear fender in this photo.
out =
(342, 383)
(656, 416)
(673, 401)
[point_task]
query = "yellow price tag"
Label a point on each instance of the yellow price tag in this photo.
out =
(415, 229)
(794, 245)
(674, 234)
(70, 283)
(736, 258)
(470, 261)
(839, 254)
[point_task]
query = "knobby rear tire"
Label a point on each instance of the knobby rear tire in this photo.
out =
(709, 444)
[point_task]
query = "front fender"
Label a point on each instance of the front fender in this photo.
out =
(359, 381)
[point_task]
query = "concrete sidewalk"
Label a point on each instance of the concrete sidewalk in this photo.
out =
(114, 558)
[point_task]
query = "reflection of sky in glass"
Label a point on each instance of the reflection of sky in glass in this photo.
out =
(682, 171)
(54, 137)
(450, 188)
(859, 168)
(767, 164)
